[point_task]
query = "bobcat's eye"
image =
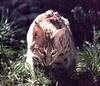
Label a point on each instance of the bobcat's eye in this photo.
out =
(54, 52)
(61, 54)
(42, 51)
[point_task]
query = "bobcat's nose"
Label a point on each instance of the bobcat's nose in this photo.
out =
(47, 64)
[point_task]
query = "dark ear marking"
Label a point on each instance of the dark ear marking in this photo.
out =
(39, 27)
(36, 22)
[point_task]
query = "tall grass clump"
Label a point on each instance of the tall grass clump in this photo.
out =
(12, 60)
(89, 58)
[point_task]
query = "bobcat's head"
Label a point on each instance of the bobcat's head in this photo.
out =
(51, 45)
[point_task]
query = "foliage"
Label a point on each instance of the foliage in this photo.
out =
(14, 71)
(11, 51)
(89, 57)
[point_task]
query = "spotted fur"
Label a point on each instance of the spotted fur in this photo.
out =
(50, 44)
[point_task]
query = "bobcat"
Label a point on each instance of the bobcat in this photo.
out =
(50, 44)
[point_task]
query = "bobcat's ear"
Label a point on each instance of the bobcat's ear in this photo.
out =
(36, 33)
(36, 30)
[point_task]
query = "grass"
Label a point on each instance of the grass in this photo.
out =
(13, 72)
(89, 60)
